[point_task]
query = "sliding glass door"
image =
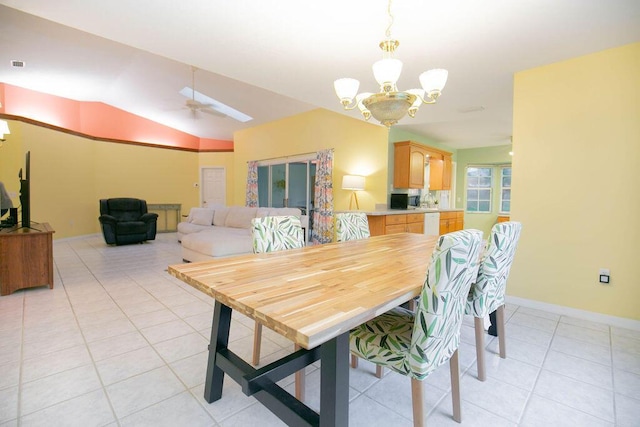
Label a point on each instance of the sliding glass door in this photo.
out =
(288, 182)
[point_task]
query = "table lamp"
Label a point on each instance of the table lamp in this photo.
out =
(355, 183)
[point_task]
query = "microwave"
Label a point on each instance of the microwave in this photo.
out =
(399, 201)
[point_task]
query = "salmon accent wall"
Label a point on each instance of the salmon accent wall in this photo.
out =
(97, 120)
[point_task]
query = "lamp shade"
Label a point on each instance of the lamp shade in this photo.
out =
(4, 128)
(433, 81)
(387, 71)
(346, 89)
(353, 182)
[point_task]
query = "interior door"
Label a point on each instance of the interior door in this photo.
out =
(214, 185)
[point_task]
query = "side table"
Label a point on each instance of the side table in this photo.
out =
(163, 209)
(26, 257)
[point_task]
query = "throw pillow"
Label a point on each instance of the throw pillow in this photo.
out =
(202, 216)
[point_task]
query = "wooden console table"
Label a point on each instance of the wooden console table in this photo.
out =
(162, 209)
(26, 257)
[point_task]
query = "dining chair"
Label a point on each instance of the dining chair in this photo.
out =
(416, 343)
(352, 226)
(487, 293)
(269, 234)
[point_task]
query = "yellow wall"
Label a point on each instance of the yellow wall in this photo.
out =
(360, 148)
(69, 174)
(576, 140)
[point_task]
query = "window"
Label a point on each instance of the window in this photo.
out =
(479, 183)
(505, 190)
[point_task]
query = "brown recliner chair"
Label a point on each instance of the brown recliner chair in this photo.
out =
(125, 220)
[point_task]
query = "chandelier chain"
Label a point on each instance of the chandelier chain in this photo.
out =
(391, 19)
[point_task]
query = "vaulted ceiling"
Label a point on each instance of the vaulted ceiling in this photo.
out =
(274, 58)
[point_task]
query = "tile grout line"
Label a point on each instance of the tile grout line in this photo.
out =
(84, 339)
(166, 363)
(19, 403)
(613, 378)
(535, 383)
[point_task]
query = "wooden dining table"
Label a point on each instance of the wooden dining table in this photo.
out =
(314, 296)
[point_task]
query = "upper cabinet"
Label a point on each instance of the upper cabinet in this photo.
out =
(409, 160)
(436, 168)
(408, 165)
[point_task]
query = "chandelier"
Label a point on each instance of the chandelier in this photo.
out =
(390, 105)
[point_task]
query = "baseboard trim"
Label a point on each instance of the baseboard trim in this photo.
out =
(620, 322)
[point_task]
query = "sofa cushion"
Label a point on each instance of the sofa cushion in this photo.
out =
(240, 217)
(189, 227)
(263, 212)
(201, 216)
(220, 216)
(220, 242)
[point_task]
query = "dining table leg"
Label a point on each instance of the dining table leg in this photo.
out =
(219, 340)
(334, 382)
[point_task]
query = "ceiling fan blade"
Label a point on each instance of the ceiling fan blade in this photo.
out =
(214, 104)
(213, 112)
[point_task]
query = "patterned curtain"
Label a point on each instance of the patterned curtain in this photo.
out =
(252, 185)
(323, 203)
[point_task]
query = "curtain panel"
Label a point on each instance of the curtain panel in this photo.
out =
(323, 203)
(252, 185)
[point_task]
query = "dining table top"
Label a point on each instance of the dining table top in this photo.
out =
(313, 294)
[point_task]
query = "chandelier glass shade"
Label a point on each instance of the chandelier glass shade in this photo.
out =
(389, 104)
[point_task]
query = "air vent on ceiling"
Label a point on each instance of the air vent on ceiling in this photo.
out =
(18, 64)
(471, 109)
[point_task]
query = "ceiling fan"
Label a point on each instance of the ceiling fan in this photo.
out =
(193, 103)
(197, 101)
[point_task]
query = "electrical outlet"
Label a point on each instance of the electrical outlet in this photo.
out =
(605, 276)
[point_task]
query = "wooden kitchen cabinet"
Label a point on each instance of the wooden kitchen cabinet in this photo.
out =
(400, 223)
(451, 221)
(415, 223)
(409, 160)
(436, 167)
(446, 173)
(440, 172)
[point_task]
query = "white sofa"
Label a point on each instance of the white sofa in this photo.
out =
(222, 231)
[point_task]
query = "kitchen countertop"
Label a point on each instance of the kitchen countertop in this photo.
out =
(409, 211)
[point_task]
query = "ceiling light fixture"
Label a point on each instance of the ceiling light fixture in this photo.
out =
(390, 105)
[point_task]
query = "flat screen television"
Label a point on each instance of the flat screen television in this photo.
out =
(25, 201)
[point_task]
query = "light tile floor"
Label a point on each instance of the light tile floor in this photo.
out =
(120, 342)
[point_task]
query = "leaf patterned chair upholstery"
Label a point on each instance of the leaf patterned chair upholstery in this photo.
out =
(352, 226)
(416, 343)
(269, 234)
(487, 293)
